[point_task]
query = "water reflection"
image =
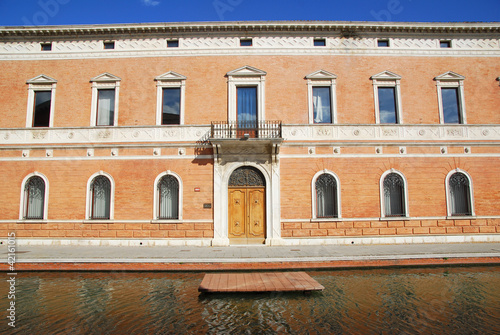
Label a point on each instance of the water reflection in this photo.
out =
(401, 301)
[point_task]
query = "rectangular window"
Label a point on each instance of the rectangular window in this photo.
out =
(387, 104)
(245, 42)
(383, 43)
(171, 110)
(451, 105)
(445, 44)
(173, 44)
(109, 45)
(319, 42)
(105, 107)
(247, 105)
(46, 46)
(41, 112)
(322, 112)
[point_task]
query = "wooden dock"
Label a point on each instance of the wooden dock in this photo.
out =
(259, 282)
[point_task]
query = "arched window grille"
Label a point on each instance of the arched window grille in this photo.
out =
(168, 198)
(394, 197)
(460, 199)
(246, 176)
(34, 198)
(100, 189)
(326, 196)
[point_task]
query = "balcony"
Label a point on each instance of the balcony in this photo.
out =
(236, 141)
(237, 130)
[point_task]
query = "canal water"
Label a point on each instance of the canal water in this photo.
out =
(383, 301)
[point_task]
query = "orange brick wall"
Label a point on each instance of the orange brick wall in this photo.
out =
(134, 187)
(286, 100)
(286, 88)
(360, 184)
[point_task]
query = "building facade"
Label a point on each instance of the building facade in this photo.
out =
(276, 133)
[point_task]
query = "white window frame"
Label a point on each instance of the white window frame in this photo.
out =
(157, 196)
(40, 83)
(322, 78)
(313, 195)
(246, 76)
(45, 200)
(382, 198)
(448, 195)
(451, 80)
(387, 79)
(169, 79)
(88, 204)
(102, 82)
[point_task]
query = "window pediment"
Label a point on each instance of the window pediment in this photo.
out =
(386, 75)
(321, 74)
(170, 75)
(246, 71)
(449, 76)
(106, 77)
(41, 79)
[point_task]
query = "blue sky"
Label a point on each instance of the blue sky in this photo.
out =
(59, 12)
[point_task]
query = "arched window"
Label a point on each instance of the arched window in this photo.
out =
(168, 198)
(34, 198)
(100, 202)
(459, 196)
(326, 196)
(394, 203)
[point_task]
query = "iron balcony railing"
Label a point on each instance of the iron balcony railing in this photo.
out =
(243, 130)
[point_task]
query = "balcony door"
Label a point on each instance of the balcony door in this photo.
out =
(246, 115)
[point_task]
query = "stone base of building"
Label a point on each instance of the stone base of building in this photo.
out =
(365, 240)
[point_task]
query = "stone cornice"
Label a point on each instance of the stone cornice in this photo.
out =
(342, 28)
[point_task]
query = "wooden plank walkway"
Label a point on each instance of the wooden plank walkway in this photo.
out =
(259, 282)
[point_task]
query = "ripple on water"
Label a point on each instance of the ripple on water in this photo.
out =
(395, 301)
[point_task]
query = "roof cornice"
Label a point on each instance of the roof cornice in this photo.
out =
(341, 27)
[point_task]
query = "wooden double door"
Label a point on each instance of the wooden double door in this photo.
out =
(247, 215)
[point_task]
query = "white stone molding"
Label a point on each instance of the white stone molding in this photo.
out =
(169, 79)
(270, 42)
(405, 195)
(396, 133)
(104, 135)
(216, 46)
(448, 195)
(221, 38)
(322, 78)
(156, 196)
(40, 83)
(348, 132)
(22, 204)
(346, 240)
(313, 194)
(213, 42)
(387, 79)
(246, 76)
(88, 202)
(451, 79)
(373, 240)
(296, 133)
(115, 242)
(104, 81)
